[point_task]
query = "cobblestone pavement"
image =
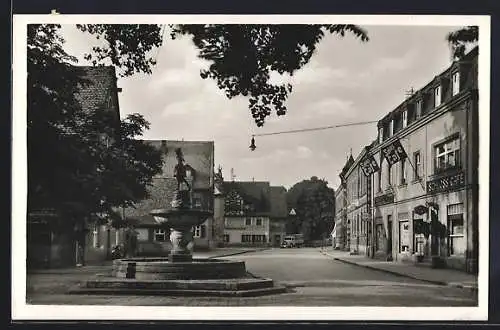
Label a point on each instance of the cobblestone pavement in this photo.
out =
(312, 278)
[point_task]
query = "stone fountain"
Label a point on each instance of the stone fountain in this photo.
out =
(179, 273)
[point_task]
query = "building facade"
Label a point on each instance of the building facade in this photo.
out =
(255, 214)
(357, 208)
(339, 242)
(54, 238)
(436, 186)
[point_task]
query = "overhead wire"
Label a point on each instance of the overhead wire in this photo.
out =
(318, 128)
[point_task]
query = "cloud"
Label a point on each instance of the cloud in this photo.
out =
(314, 74)
(332, 106)
(393, 63)
(304, 152)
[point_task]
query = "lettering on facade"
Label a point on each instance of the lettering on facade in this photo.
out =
(394, 152)
(384, 199)
(446, 183)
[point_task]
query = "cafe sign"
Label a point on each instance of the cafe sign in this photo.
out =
(447, 183)
(394, 152)
(369, 166)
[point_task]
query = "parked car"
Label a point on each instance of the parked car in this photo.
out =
(292, 241)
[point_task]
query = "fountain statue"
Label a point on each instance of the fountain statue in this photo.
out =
(181, 218)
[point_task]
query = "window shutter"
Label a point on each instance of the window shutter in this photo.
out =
(203, 231)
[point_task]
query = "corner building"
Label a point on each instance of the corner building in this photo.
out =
(438, 128)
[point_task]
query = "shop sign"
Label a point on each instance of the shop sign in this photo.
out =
(394, 152)
(447, 183)
(384, 199)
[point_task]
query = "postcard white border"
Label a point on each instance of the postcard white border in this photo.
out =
(22, 311)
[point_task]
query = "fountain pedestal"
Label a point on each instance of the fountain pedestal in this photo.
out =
(180, 239)
(181, 223)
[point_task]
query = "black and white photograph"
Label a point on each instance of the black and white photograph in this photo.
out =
(281, 167)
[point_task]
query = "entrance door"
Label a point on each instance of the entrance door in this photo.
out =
(38, 246)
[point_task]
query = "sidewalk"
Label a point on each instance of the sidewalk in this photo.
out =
(449, 277)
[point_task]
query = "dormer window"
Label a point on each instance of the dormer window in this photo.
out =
(455, 83)
(418, 108)
(405, 118)
(437, 96)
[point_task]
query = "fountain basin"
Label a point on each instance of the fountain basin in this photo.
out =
(164, 269)
(181, 217)
(159, 276)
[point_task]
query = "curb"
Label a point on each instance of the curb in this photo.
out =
(442, 283)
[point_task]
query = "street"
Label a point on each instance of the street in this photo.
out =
(313, 279)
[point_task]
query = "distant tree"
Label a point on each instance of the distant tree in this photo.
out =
(314, 204)
(241, 56)
(79, 163)
(459, 39)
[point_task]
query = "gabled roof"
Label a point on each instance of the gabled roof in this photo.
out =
(255, 193)
(347, 166)
(473, 53)
(98, 88)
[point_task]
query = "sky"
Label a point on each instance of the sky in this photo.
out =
(345, 81)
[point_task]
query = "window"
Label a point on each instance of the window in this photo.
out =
(258, 222)
(391, 127)
(419, 108)
(259, 238)
(358, 224)
(403, 171)
(455, 83)
(417, 162)
(248, 221)
(437, 96)
(226, 238)
(379, 180)
(246, 238)
(197, 202)
(389, 174)
(197, 231)
(456, 239)
(447, 155)
(380, 134)
(95, 236)
(405, 118)
(159, 235)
